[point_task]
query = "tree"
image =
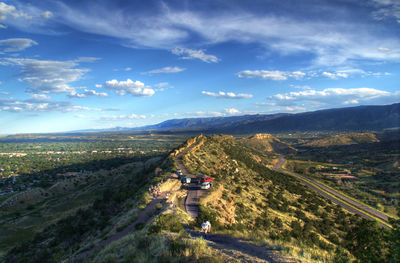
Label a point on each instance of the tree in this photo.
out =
(366, 241)
(394, 237)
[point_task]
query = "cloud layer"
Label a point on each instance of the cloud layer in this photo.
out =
(40, 105)
(47, 76)
(272, 75)
(169, 27)
(331, 97)
(165, 70)
(227, 95)
(16, 44)
(186, 53)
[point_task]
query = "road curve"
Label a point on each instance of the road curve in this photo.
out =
(334, 196)
(194, 192)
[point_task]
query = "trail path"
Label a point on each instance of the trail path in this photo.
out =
(241, 250)
(338, 198)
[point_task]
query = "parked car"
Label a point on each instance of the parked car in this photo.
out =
(205, 185)
(186, 180)
(206, 179)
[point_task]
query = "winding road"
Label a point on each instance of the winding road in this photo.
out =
(338, 198)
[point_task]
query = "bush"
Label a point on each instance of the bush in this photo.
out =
(167, 222)
(139, 226)
(278, 222)
(238, 190)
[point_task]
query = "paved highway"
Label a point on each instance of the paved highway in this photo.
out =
(194, 191)
(338, 198)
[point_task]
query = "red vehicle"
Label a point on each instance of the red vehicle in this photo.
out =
(206, 179)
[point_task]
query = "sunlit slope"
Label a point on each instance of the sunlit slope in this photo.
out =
(250, 200)
(265, 142)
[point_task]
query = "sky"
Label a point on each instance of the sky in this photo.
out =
(71, 65)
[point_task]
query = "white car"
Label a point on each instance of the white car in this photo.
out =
(205, 185)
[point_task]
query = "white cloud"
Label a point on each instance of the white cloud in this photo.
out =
(165, 70)
(40, 97)
(26, 17)
(16, 44)
(38, 105)
(294, 108)
(387, 9)
(47, 14)
(335, 75)
(186, 53)
(87, 59)
(123, 117)
(227, 95)
(10, 10)
(95, 93)
(305, 87)
(206, 114)
(349, 72)
(3, 26)
(75, 94)
(384, 49)
(128, 69)
(353, 101)
(87, 93)
(232, 111)
(333, 97)
(47, 76)
(272, 75)
(98, 86)
(135, 88)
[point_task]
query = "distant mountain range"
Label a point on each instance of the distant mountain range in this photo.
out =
(361, 118)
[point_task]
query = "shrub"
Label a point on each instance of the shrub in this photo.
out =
(167, 222)
(278, 222)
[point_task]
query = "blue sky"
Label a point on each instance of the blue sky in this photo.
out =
(69, 65)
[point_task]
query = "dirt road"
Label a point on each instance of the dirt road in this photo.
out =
(240, 249)
(338, 198)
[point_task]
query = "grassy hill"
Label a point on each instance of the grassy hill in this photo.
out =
(344, 139)
(251, 201)
(265, 142)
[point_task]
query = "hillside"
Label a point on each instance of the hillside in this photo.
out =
(253, 202)
(265, 142)
(344, 139)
